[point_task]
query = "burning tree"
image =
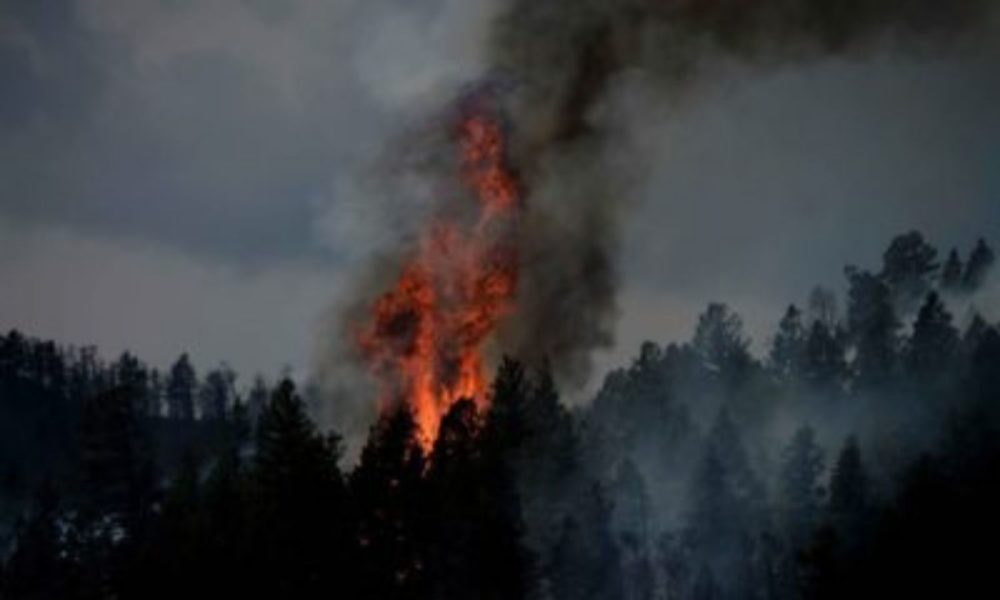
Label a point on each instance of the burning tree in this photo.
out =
(425, 336)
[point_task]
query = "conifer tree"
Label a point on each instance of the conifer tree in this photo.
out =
(978, 266)
(951, 272)
(908, 267)
(934, 342)
(182, 384)
(299, 500)
(788, 349)
(801, 491)
(849, 495)
(873, 328)
(394, 510)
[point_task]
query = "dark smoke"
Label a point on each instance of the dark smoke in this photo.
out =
(556, 67)
(564, 57)
(564, 54)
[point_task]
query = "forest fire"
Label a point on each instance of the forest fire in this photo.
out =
(425, 336)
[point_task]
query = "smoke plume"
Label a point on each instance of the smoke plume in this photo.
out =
(554, 69)
(563, 60)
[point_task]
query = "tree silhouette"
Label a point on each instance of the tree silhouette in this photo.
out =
(873, 327)
(932, 347)
(978, 266)
(477, 551)
(801, 493)
(585, 563)
(719, 340)
(218, 393)
(298, 498)
(824, 363)
(394, 511)
(908, 267)
(726, 505)
(132, 375)
(116, 468)
(39, 567)
(850, 506)
(788, 348)
(181, 385)
(951, 272)
(521, 494)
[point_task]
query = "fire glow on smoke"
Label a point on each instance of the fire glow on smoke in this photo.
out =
(425, 335)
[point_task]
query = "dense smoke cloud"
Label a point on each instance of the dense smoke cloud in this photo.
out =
(564, 60)
(565, 75)
(698, 470)
(564, 55)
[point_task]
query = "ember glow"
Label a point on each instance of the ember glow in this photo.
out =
(425, 336)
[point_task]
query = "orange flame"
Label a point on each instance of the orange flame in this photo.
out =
(425, 336)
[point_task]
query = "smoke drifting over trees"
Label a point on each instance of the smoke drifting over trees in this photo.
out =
(862, 447)
(859, 448)
(558, 67)
(563, 60)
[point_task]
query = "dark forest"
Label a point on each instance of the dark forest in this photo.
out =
(857, 455)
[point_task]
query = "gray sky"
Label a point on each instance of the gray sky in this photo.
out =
(188, 175)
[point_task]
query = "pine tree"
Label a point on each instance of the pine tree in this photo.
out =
(873, 328)
(973, 335)
(631, 512)
(825, 365)
(178, 553)
(638, 410)
(117, 470)
(548, 426)
(506, 419)
(951, 272)
(725, 440)
(934, 342)
(40, 566)
(823, 307)
(726, 506)
(978, 266)
(181, 385)
(719, 340)
(801, 492)
(218, 393)
(714, 503)
(13, 355)
(546, 465)
(477, 551)
(154, 397)
(394, 510)
(225, 510)
(788, 349)
(298, 499)
(257, 399)
(908, 266)
(849, 495)
(133, 376)
(585, 563)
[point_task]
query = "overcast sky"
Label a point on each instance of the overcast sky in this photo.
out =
(183, 174)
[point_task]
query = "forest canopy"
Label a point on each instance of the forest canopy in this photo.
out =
(857, 457)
